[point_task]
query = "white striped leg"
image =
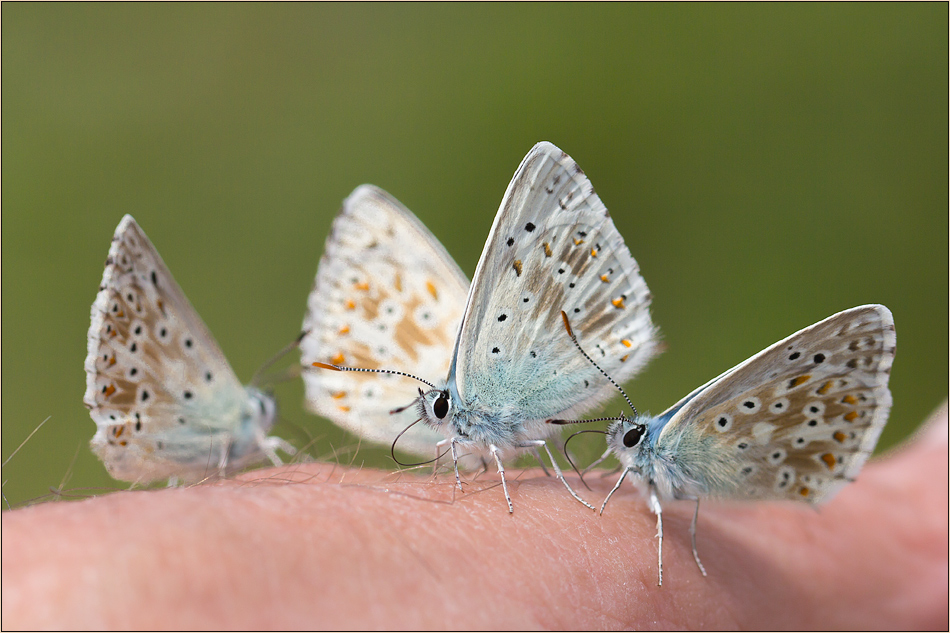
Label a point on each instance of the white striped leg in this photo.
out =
(614, 489)
(557, 470)
(496, 453)
(692, 536)
(455, 461)
(658, 511)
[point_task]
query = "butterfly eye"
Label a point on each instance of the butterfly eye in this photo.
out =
(632, 437)
(441, 407)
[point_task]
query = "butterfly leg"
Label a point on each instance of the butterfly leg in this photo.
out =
(537, 455)
(223, 460)
(435, 463)
(597, 461)
(269, 446)
(496, 453)
(692, 537)
(614, 489)
(658, 511)
(455, 460)
(557, 469)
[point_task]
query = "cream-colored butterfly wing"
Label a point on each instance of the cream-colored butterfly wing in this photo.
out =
(387, 296)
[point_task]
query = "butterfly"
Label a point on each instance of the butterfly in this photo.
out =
(796, 421)
(165, 401)
(507, 369)
(387, 294)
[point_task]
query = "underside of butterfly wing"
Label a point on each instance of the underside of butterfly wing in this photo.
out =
(164, 399)
(552, 248)
(796, 421)
(387, 296)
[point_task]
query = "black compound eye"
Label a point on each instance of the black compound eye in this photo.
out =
(441, 407)
(632, 437)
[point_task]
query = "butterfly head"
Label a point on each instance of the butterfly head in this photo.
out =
(436, 407)
(260, 410)
(626, 435)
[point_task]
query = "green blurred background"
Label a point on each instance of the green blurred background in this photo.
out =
(768, 165)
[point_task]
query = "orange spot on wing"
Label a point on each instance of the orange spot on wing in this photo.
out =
(824, 388)
(804, 491)
(120, 313)
(432, 291)
(362, 286)
(344, 330)
(109, 391)
(800, 380)
(829, 460)
(839, 436)
(624, 359)
(112, 361)
(593, 252)
(578, 242)
(397, 283)
(349, 305)
(849, 399)
(547, 249)
(517, 266)
(605, 279)
(627, 343)
(851, 416)
(618, 302)
(338, 359)
(338, 395)
(343, 408)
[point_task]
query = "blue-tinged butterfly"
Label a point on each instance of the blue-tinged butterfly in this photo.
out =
(796, 421)
(388, 297)
(166, 403)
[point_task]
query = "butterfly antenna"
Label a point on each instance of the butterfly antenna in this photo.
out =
(392, 449)
(568, 455)
(374, 371)
(411, 404)
(567, 326)
(258, 376)
(581, 421)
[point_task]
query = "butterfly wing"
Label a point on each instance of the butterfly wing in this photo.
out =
(387, 296)
(552, 247)
(164, 399)
(797, 420)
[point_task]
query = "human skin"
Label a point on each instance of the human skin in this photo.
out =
(319, 546)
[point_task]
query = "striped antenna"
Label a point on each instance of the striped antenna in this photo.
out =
(372, 371)
(583, 421)
(567, 326)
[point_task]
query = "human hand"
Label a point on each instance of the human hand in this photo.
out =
(319, 546)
